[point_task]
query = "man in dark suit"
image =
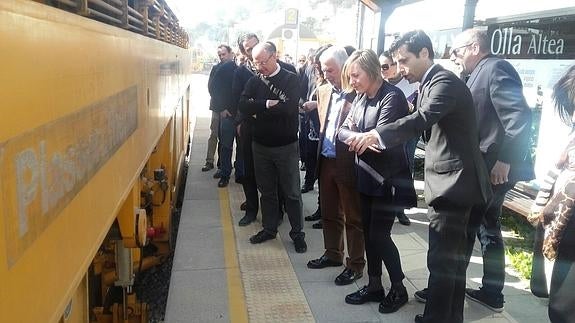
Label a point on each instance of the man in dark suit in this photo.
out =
(455, 176)
(338, 189)
(223, 104)
(226, 55)
(504, 122)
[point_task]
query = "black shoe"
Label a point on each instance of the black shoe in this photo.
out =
(347, 277)
(419, 318)
(314, 217)
(323, 262)
(363, 296)
(394, 300)
(224, 181)
(244, 206)
(306, 188)
(317, 225)
(421, 295)
(218, 174)
(261, 236)
(207, 167)
(300, 245)
(247, 219)
(403, 219)
(478, 295)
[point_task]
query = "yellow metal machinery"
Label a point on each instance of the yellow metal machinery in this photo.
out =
(93, 136)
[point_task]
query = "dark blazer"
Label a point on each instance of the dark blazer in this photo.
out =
(345, 159)
(503, 116)
(454, 168)
(387, 106)
(221, 88)
(211, 85)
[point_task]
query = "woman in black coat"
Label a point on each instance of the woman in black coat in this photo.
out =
(384, 179)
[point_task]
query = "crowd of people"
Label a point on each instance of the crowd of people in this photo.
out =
(344, 109)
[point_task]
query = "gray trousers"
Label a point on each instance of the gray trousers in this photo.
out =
(275, 165)
(213, 139)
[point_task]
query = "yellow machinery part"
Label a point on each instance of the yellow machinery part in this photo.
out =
(63, 78)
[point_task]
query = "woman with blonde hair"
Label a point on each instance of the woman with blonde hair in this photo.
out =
(383, 176)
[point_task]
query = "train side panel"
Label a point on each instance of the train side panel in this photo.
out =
(84, 106)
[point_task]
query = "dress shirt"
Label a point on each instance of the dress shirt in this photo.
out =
(336, 103)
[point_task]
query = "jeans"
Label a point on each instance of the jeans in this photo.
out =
(225, 149)
(485, 223)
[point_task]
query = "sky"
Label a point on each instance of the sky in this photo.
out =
(190, 13)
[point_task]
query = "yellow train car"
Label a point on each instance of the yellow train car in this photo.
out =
(93, 135)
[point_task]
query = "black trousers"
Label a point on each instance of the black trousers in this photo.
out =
(249, 179)
(377, 216)
(446, 262)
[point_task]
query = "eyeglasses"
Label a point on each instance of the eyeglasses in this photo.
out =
(263, 63)
(385, 67)
(455, 51)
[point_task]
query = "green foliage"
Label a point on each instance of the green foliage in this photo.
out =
(518, 242)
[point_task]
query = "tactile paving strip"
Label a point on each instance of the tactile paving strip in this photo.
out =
(272, 290)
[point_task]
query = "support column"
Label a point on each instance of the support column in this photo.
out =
(469, 14)
(384, 14)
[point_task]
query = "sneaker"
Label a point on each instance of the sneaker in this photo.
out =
(493, 303)
(208, 166)
(300, 245)
(421, 295)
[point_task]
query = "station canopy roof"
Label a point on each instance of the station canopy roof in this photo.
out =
(376, 5)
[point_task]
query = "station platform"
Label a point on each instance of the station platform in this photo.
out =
(218, 276)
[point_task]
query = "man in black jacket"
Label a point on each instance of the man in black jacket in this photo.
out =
(223, 104)
(271, 96)
(225, 54)
(246, 43)
(504, 120)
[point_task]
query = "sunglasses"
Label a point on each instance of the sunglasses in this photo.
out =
(385, 67)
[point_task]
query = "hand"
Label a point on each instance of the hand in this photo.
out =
(272, 103)
(225, 114)
(362, 141)
(500, 173)
(309, 106)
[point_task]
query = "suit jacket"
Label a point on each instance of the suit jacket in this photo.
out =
(211, 85)
(345, 159)
(503, 116)
(454, 168)
(221, 88)
(388, 105)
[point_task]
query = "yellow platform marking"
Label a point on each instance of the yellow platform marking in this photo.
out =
(271, 287)
(238, 313)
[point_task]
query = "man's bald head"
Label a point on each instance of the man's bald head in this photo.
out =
(264, 56)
